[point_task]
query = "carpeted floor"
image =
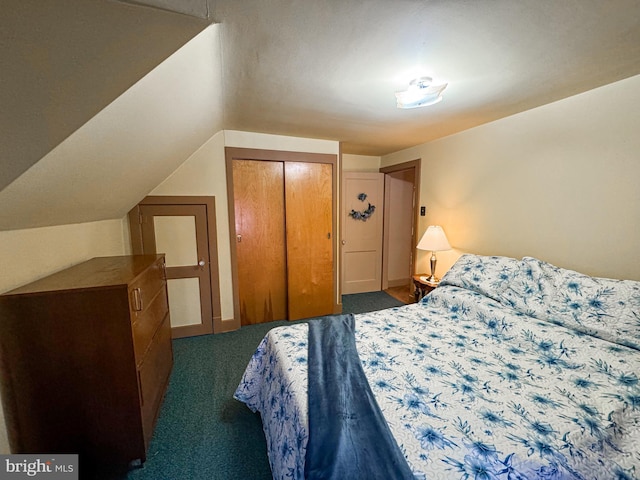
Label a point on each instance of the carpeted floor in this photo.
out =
(202, 432)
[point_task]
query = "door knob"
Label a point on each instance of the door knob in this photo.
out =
(202, 263)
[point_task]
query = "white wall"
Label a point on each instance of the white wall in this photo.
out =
(559, 182)
(27, 255)
(204, 173)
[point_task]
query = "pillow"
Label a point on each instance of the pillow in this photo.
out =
(532, 288)
(602, 307)
(631, 326)
(487, 275)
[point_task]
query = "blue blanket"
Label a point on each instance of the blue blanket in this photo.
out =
(348, 435)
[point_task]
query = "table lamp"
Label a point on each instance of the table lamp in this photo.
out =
(435, 240)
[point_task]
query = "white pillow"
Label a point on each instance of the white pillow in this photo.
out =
(602, 307)
(488, 275)
(532, 288)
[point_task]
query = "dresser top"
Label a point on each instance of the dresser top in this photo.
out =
(97, 272)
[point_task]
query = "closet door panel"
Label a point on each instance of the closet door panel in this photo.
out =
(309, 206)
(258, 190)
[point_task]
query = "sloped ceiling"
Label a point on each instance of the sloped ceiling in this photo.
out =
(114, 159)
(64, 61)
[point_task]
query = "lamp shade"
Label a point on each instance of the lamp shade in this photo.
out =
(434, 239)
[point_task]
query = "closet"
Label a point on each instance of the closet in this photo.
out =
(283, 223)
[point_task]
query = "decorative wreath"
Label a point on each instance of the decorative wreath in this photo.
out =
(363, 215)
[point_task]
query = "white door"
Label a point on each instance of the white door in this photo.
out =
(362, 215)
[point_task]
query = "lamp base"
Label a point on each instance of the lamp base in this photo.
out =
(431, 280)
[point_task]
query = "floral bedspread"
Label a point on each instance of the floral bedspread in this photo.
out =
(472, 388)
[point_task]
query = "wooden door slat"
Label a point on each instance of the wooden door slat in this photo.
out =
(309, 217)
(258, 189)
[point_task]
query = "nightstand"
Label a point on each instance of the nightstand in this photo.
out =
(422, 287)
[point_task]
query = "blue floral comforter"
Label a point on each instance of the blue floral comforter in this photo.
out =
(475, 386)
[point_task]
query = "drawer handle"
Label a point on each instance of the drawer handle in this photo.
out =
(137, 300)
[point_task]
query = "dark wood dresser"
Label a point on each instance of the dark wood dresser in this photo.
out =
(85, 358)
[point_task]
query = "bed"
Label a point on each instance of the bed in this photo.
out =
(510, 369)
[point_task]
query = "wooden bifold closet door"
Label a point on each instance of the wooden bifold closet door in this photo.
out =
(258, 190)
(284, 239)
(308, 206)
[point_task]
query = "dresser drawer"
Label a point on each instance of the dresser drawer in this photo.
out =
(145, 288)
(147, 323)
(153, 377)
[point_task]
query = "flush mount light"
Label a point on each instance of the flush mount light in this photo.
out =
(420, 93)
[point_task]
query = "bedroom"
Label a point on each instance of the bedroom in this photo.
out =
(531, 184)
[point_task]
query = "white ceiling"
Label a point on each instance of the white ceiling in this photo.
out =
(329, 68)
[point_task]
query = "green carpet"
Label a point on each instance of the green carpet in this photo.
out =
(202, 431)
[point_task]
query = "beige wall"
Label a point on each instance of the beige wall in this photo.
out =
(360, 163)
(27, 255)
(204, 173)
(559, 182)
(235, 138)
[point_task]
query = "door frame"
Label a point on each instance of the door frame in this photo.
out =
(214, 278)
(415, 165)
(237, 153)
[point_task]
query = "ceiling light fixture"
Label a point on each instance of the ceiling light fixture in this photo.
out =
(420, 93)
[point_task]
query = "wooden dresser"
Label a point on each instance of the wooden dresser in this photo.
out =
(85, 358)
